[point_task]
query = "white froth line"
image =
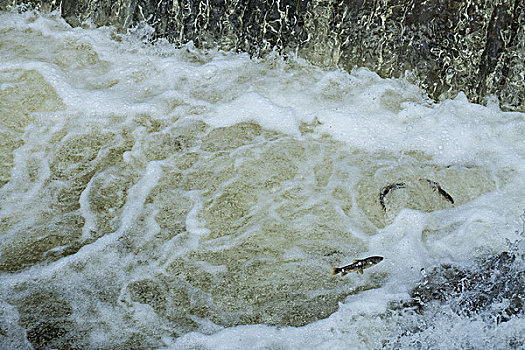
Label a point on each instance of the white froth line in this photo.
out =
(20, 178)
(194, 231)
(132, 209)
(400, 243)
(85, 210)
(81, 100)
(317, 335)
(193, 224)
(138, 193)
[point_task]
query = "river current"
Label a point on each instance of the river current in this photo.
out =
(154, 197)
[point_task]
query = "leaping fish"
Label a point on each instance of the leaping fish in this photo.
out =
(385, 190)
(436, 187)
(357, 265)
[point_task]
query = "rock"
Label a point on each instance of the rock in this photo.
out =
(492, 289)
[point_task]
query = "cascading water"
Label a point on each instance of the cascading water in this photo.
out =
(446, 47)
(171, 196)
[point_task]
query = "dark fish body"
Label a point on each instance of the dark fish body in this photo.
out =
(358, 265)
(385, 190)
(436, 187)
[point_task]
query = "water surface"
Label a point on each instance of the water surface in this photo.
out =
(155, 197)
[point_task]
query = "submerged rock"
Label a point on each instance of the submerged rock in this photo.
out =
(477, 47)
(493, 289)
(458, 307)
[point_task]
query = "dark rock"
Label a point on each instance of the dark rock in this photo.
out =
(148, 292)
(46, 318)
(44, 334)
(493, 289)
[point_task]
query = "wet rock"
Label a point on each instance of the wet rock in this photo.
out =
(43, 243)
(148, 292)
(23, 92)
(46, 318)
(493, 289)
(228, 138)
(45, 334)
(464, 307)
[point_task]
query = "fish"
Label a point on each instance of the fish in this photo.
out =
(436, 187)
(357, 265)
(385, 190)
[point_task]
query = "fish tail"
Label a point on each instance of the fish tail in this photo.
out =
(335, 271)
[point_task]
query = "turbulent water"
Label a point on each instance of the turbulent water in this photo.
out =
(154, 197)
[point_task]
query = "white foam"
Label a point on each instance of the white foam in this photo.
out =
(402, 246)
(355, 325)
(252, 107)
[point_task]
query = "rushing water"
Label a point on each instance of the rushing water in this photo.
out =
(154, 197)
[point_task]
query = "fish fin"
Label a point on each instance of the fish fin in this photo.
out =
(360, 271)
(335, 271)
(355, 260)
(343, 273)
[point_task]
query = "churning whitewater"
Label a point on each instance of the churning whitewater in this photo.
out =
(154, 197)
